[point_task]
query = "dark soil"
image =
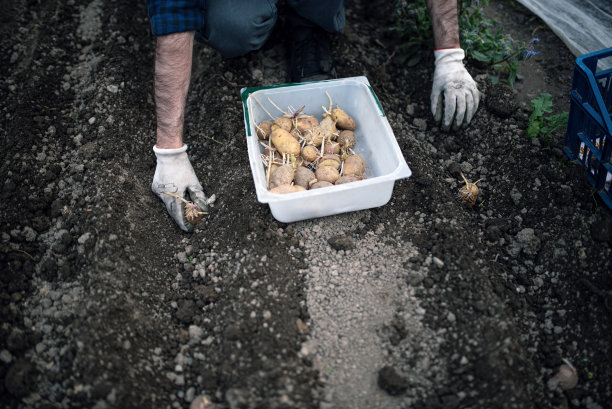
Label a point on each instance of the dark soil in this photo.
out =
(106, 303)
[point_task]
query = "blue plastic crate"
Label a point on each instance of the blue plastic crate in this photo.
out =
(588, 139)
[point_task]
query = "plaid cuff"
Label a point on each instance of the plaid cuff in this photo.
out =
(175, 16)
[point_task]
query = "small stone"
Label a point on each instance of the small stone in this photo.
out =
(302, 328)
(451, 317)
(420, 123)
(112, 89)
(92, 120)
(5, 356)
(257, 74)
(391, 381)
(202, 402)
(438, 262)
(342, 243)
(182, 257)
(195, 333)
(190, 394)
(29, 234)
(84, 238)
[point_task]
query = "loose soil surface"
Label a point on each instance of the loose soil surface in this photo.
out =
(424, 302)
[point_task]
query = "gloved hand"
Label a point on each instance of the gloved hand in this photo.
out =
(455, 86)
(175, 174)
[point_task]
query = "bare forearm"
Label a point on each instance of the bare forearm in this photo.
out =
(172, 75)
(445, 22)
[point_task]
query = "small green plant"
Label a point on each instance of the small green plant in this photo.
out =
(482, 38)
(540, 125)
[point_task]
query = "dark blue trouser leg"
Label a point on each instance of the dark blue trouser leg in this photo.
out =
(235, 27)
(329, 15)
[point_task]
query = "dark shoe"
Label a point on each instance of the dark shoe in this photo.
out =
(311, 57)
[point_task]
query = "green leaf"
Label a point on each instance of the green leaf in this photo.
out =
(414, 60)
(477, 55)
(541, 105)
(559, 120)
(533, 130)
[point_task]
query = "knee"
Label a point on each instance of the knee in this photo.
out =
(238, 33)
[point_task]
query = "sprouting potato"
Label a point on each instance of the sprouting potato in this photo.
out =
(305, 153)
(284, 123)
(263, 129)
(332, 148)
(283, 175)
(346, 140)
(273, 167)
(320, 184)
(315, 136)
(296, 134)
(282, 189)
(327, 173)
(342, 119)
(354, 165)
(303, 176)
(328, 126)
(307, 122)
(310, 153)
(330, 160)
(284, 142)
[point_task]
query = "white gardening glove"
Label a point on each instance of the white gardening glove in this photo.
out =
(175, 174)
(455, 86)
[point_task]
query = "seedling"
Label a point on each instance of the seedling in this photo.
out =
(541, 125)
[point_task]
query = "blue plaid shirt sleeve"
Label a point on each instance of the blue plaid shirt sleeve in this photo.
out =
(175, 16)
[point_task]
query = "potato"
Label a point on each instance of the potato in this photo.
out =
(330, 160)
(327, 174)
(354, 165)
(274, 166)
(284, 123)
(328, 126)
(348, 179)
(303, 176)
(307, 122)
(263, 129)
(315, 136)
(296, 134)
(320, 184)
(282, 189)
(346, 139)
(332, 147)
(282, 176)
(343, 120)
(310, 153)
(284, 142)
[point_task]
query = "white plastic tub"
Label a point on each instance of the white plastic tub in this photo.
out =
(375, 142)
